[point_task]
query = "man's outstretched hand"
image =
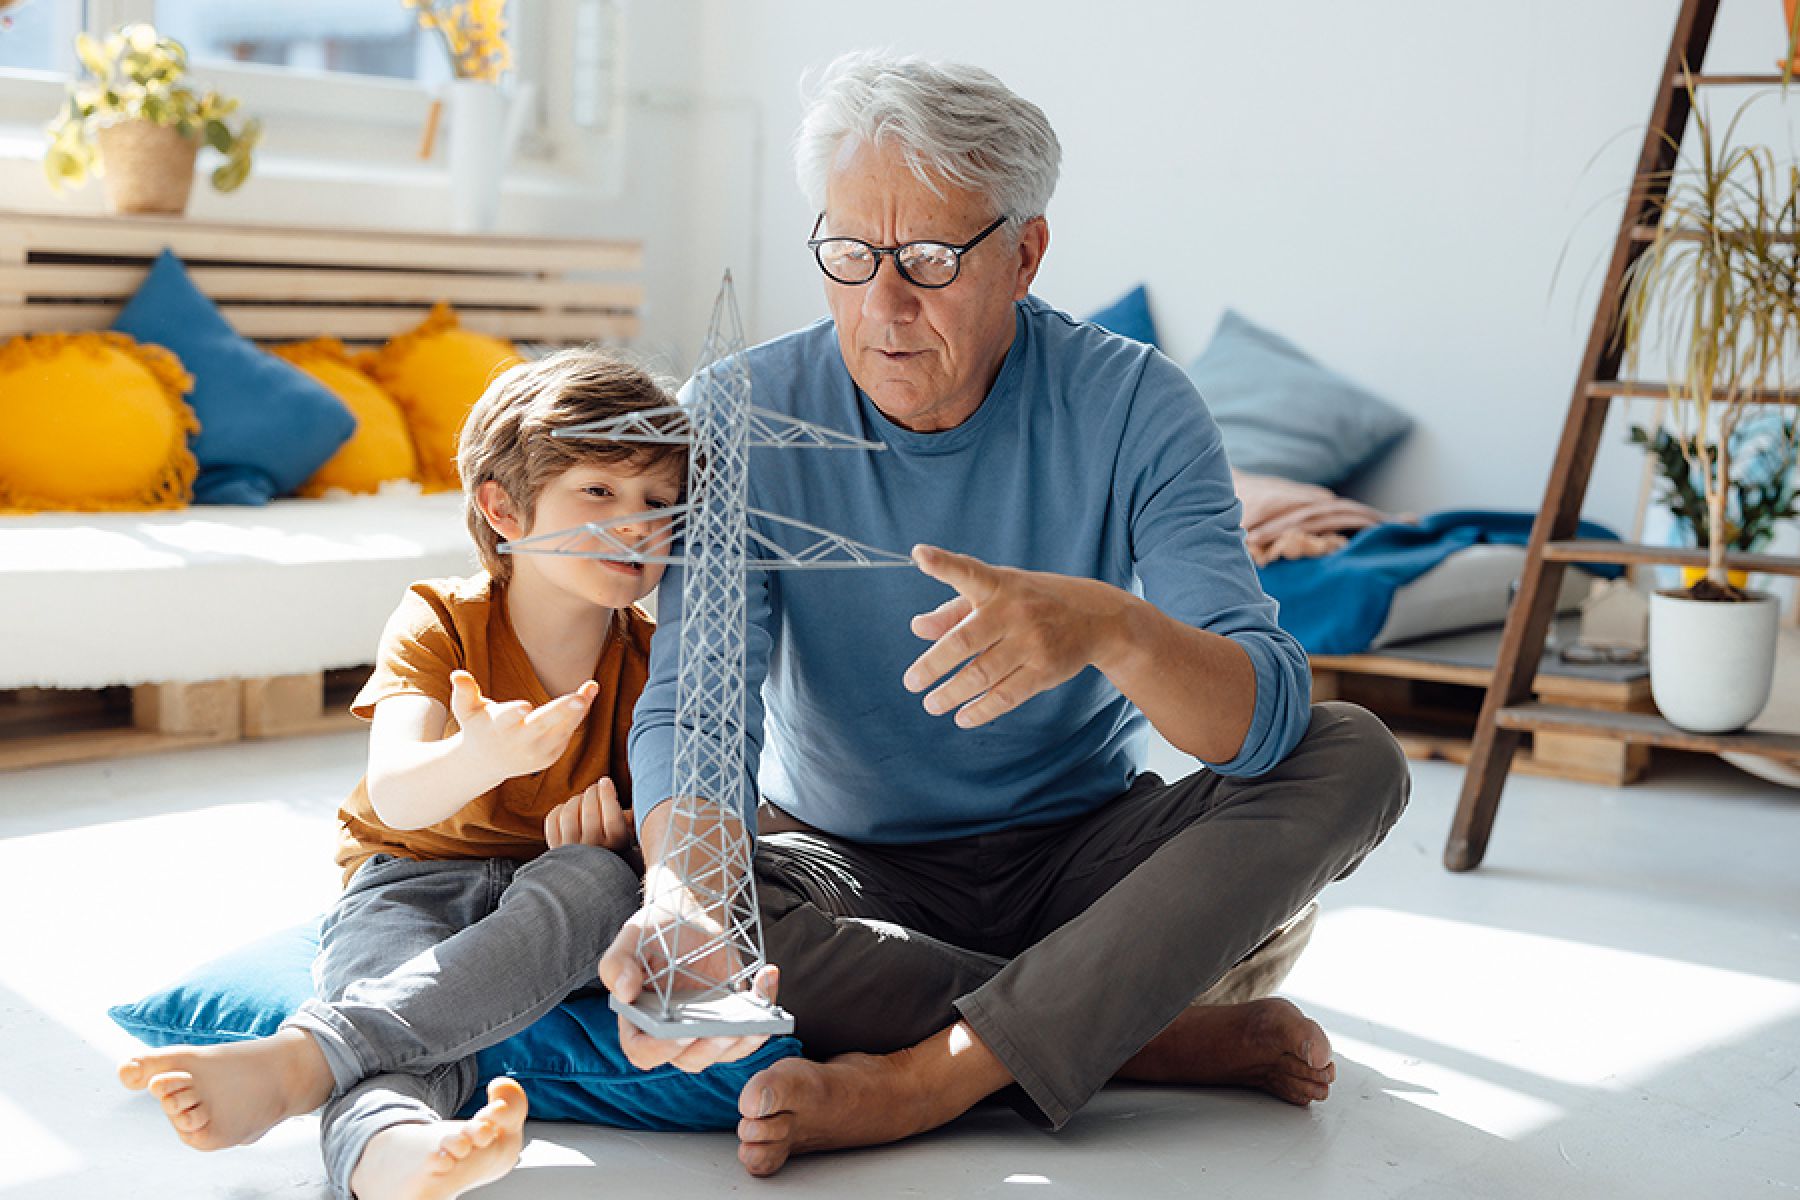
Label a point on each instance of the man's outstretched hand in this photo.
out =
(1018, 632)
(623, 975)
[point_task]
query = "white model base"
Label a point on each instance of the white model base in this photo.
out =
(737, 1015)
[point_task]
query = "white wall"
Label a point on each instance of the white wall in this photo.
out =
(1389, 184)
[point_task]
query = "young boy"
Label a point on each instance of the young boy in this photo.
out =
(483, 851)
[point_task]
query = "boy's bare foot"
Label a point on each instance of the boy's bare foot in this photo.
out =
(445, 1158)
(1267, 1044)
(219, 1096)
(798, 1107)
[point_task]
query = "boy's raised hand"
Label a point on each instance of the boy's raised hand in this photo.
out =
(513, 736)
(593, 818)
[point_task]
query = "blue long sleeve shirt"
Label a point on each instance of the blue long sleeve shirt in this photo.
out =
(1091, 456)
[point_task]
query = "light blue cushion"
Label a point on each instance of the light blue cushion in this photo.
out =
(569, 1062)
(1281, 413)
(1129, 316)
(265, 425)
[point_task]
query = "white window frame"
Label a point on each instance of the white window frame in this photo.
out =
(357, 120)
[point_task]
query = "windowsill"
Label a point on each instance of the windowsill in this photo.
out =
(525, 177)
(537, 196)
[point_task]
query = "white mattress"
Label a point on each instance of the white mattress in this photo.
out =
(1469, 589)
(213, 592)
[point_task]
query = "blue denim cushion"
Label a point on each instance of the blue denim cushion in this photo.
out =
(265, 425)
(569, 1062)
(1129, 316)
(1281, 413)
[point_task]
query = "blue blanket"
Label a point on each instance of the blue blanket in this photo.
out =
(1337, 603)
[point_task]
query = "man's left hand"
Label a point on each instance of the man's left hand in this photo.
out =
(1017, 633)
(622, 973)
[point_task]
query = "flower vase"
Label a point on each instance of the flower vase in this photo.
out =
(485, 124)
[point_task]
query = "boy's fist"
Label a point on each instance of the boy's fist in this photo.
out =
(515, 737)
(593, 818)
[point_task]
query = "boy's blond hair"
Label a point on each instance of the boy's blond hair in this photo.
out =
(508, 436)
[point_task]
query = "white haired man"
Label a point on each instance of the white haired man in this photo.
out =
(1063, 908)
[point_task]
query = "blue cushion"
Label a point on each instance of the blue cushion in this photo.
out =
(1129, 316)
(1281, 413)
(265, 425)
(569, 1062)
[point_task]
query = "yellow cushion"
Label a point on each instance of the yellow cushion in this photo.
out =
(381, 449)
(92, 422)
(436, 373)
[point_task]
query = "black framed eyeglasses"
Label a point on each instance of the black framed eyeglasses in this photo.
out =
(853, 261)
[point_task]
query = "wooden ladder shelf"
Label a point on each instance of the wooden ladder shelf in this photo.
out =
(1507, 712)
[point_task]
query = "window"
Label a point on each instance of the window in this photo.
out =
(339, 80)
(352, 37)
(41, 36)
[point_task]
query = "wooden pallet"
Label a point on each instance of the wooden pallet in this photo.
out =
(63, 272)
(1430, 695)
(47, 726)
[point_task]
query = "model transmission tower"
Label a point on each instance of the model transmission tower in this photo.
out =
(687, 990)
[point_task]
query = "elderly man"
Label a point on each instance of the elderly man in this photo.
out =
(963, 868)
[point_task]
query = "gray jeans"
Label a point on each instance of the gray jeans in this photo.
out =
(1068, 947)
(423, 964)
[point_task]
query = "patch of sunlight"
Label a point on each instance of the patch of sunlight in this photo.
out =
(1466, 1099)
(33, 1153)
(1563, 1010)
(1026, 1179)
(541, 1152)
(156, 928)
(268, 543)
(82, 548)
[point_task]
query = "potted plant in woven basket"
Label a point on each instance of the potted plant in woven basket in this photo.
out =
(1717, 290)
(136, 124)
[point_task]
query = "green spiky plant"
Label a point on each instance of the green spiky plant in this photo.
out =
(1717, 287)
(138, 75)
(1761, 496)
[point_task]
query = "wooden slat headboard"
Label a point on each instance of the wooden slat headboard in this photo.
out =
(68, 273)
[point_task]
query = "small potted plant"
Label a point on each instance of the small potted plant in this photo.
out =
(136, 124)
(1717, 289)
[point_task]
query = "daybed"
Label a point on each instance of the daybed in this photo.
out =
(224, 619)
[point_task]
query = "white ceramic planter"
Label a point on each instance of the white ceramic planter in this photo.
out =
(485, 125)
(1711, 662)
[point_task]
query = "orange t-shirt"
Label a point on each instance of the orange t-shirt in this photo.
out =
(448, 624)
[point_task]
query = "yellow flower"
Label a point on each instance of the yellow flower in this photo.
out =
(474, 33)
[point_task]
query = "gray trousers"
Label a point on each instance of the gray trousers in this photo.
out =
(423, 964)
(1068, 947)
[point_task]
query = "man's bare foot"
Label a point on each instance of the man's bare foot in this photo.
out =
(1267, 1044)
(797, 1107)
(219, 1096)
(444, 1158)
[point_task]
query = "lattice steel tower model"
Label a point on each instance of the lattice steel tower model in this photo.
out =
(686, 992)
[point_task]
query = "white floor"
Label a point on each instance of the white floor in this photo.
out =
(1610, 1007)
